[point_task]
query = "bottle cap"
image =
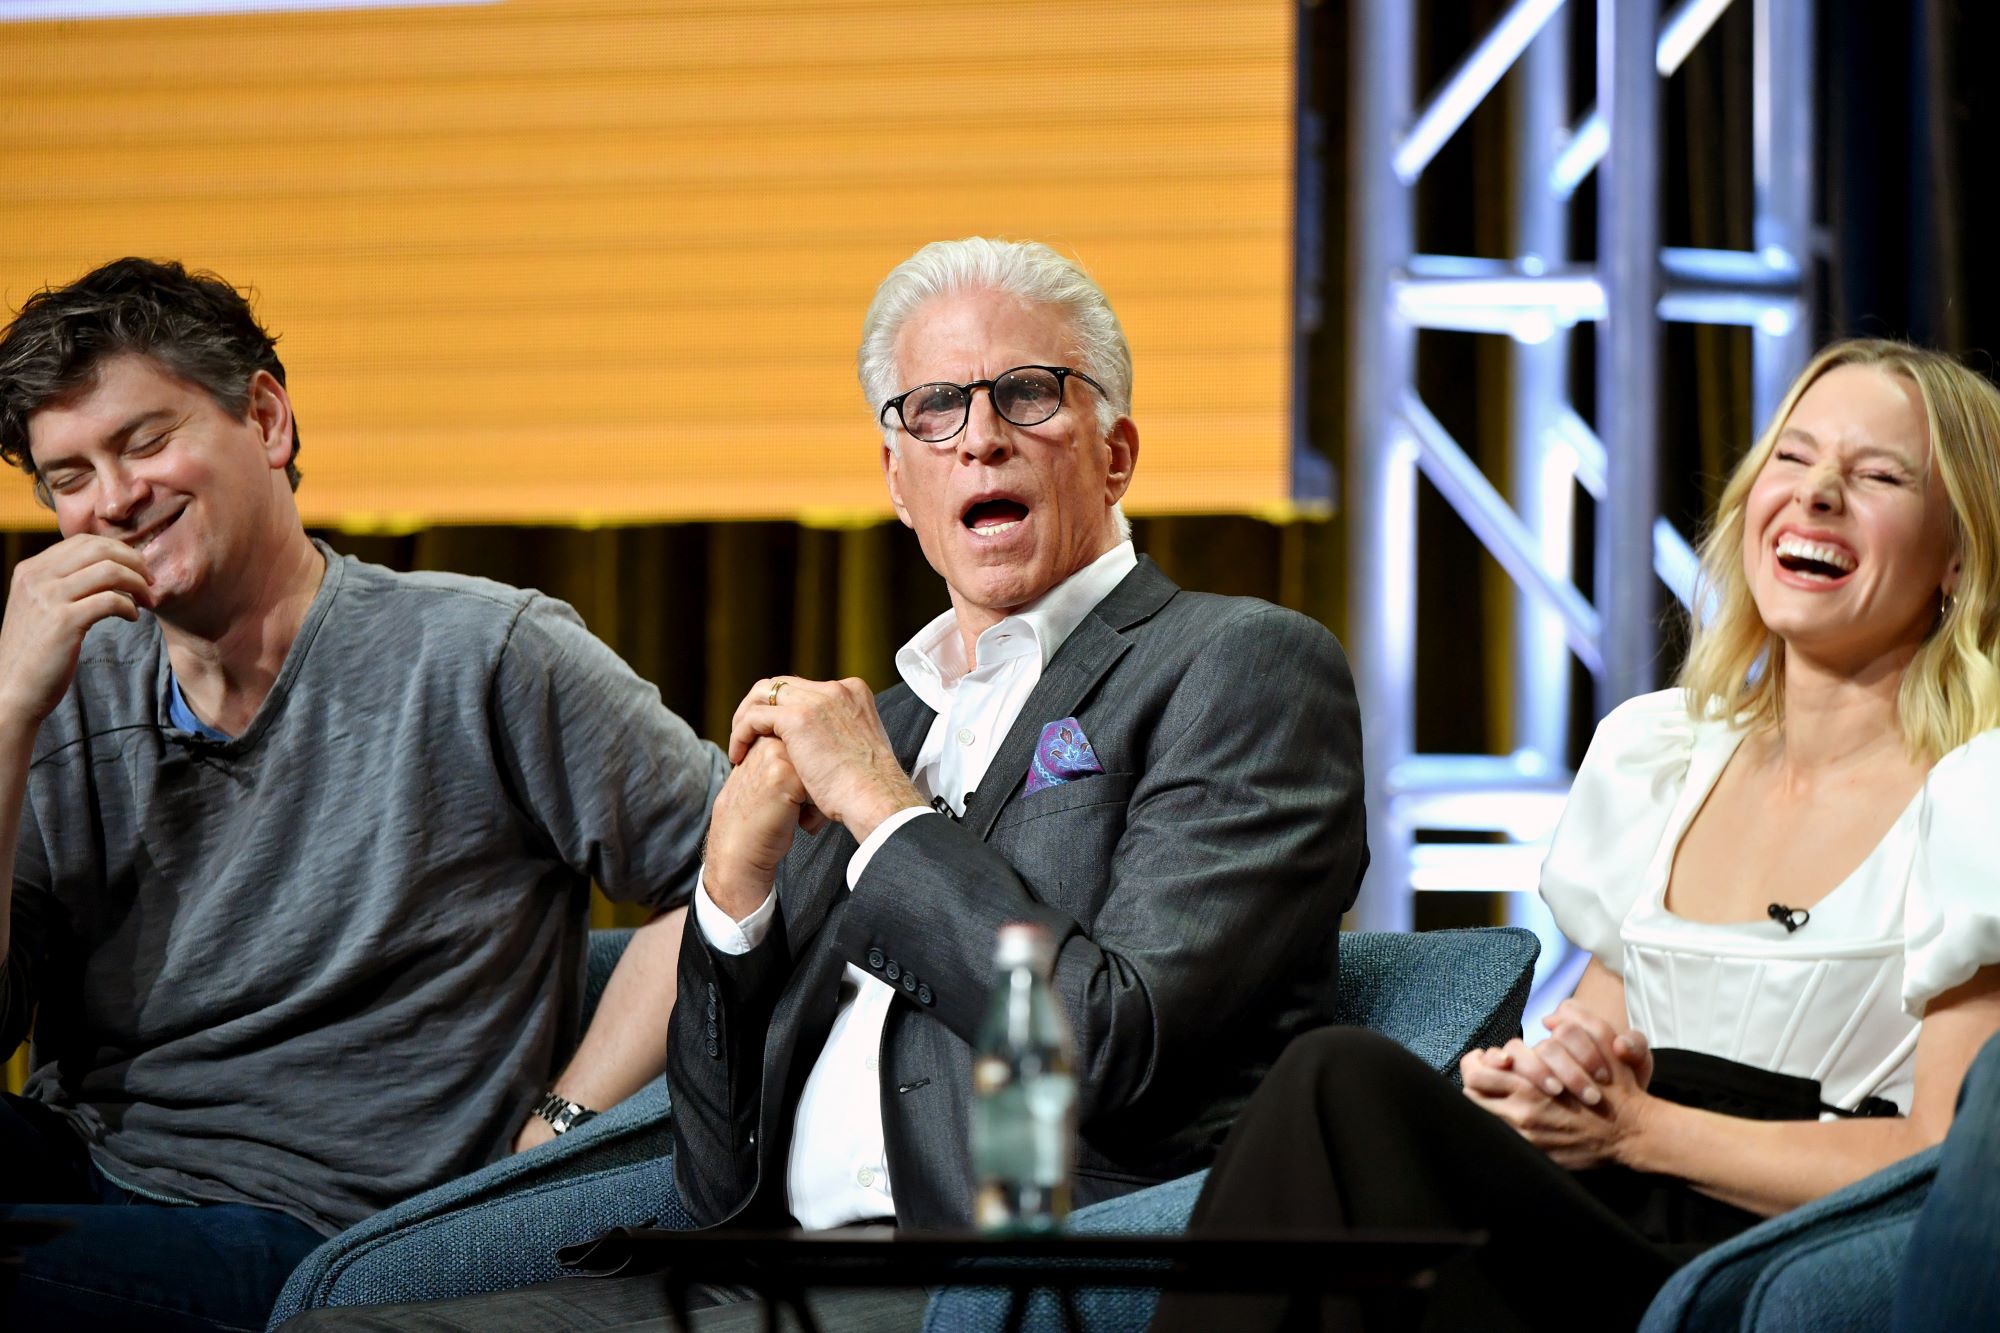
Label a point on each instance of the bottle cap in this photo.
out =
(1022, 943)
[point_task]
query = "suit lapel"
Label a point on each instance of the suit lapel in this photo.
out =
(1090, 651)
(907, 719)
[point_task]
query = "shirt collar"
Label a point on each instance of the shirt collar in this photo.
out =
(933, 661)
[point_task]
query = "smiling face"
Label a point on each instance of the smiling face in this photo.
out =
(1005, 512)
(152, 460)
(1848, 537)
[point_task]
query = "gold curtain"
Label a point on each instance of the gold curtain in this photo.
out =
(702, 610)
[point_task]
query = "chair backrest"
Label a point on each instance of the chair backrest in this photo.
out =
(1440, 993)
(606, 948)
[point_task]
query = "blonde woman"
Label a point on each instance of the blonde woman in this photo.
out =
(1787, 874)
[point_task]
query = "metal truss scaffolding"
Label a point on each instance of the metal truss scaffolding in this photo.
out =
(1533, 297)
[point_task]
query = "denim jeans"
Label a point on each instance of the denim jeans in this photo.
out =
(126, 1261)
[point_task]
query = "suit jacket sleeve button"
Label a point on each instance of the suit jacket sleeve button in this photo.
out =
(893, 970)
(714, 1048)
(910, 982)
(923, 994)
(875, 959)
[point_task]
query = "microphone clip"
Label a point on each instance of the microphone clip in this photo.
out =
(1791, 918)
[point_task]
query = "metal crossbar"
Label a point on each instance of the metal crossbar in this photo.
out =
(1533, 297)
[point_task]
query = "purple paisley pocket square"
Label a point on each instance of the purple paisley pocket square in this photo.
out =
(1062, 754)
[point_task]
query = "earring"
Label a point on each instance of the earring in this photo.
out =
(1945, 607)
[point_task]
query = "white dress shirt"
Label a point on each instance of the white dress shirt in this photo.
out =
(839, 1166)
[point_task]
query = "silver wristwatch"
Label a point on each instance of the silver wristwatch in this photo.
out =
(562, 1114)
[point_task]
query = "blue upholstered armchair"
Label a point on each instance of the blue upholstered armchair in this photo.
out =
(1440, 993)
(500, 1227)
(1829, 1265)
(1885, 1244)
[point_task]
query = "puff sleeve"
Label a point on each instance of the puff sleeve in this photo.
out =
(1617, 812)
(1951, 910)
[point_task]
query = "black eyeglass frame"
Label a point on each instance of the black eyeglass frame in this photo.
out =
(1062, 374)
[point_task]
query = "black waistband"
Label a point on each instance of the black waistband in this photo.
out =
(1711, 1083)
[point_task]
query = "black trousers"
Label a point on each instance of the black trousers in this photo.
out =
(1351, 1130)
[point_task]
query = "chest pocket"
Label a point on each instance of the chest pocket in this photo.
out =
(1060, 839)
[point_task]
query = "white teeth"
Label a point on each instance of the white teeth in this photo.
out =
(1821, 552)
(145, 540)
(995, 529)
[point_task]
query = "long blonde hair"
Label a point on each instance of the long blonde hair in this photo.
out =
(1951, 691)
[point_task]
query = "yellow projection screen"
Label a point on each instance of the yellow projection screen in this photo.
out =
(604, 261)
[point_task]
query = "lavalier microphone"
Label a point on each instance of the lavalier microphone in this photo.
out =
(1791, 918)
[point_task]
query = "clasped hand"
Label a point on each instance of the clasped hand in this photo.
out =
(1580, 1095)
(818, 754)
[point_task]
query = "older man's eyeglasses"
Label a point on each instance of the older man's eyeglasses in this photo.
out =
(1025, 396)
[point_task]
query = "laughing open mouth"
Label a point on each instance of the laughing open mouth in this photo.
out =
(139, 541)
(1814, 559)
(991, 518)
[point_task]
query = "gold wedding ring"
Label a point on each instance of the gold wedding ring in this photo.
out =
(771, 700)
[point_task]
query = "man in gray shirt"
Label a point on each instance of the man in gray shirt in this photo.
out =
(300, 849)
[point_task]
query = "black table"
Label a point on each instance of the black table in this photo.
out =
(782, 1265)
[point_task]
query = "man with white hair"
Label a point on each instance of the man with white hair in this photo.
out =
(1167, 782)
(1192, 871)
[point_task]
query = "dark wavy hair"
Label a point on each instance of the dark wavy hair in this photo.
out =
(195, 325)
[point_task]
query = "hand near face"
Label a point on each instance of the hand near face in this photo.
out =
(1578, 1095)
(757, 814)
(835, 743)
(54, 600)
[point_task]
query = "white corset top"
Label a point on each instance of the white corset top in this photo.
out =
(1837, 1000)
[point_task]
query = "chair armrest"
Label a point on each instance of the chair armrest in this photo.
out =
(1844, 1279)
(1716, 1289)
(500, 1226)
(1437, 993)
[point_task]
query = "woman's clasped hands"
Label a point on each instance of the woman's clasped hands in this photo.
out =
(1579, 1095)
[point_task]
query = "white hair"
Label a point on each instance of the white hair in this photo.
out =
(1027, 270)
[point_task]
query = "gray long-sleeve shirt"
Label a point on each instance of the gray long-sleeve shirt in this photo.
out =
(331, 962)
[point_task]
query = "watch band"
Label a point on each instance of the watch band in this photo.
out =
(561, 1114)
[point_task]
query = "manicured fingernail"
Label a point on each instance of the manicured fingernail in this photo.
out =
(1553, 1087)
(1591, 1096)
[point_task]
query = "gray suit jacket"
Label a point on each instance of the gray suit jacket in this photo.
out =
(1194, 889)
